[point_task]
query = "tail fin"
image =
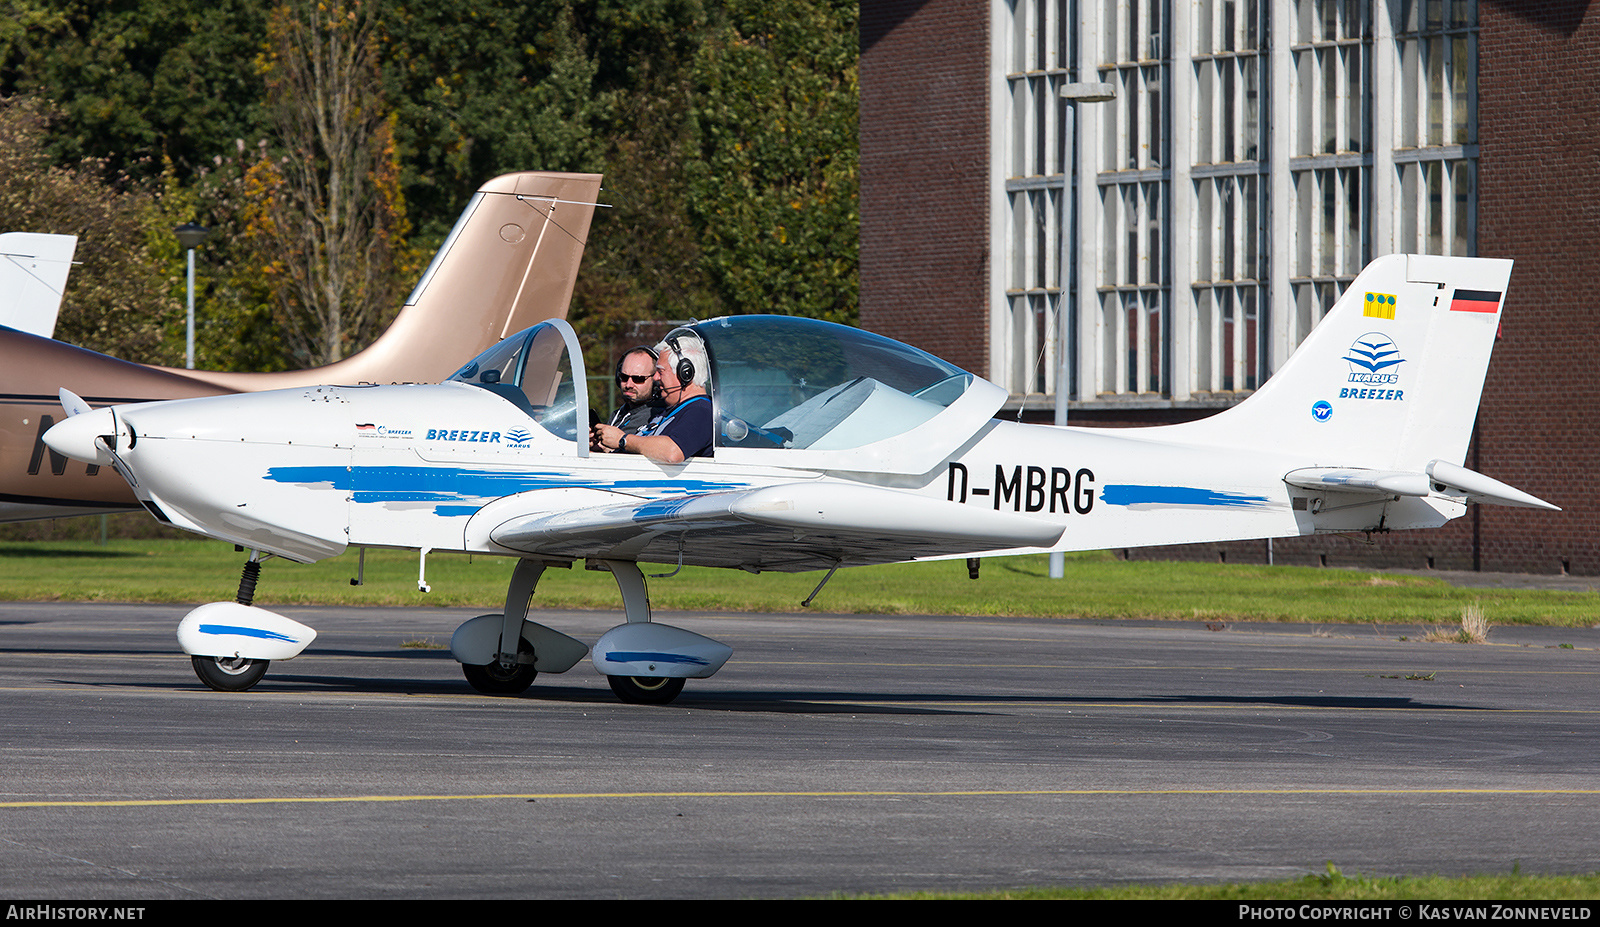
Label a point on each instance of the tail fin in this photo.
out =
(510, 262)
(33, 275)
(1388, 380)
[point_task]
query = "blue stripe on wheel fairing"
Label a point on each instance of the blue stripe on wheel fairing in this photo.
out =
(640, 656)
(246, 632)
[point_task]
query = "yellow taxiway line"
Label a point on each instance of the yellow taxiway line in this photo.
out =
(956, 793)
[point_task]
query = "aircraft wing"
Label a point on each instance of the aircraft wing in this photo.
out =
(790, 527)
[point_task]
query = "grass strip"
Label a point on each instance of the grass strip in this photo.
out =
(1095, 585)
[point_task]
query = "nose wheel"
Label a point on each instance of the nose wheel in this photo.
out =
(231, 644)
(645, 690)
(229, 674)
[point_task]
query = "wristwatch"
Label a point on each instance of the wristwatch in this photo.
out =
(622, 443)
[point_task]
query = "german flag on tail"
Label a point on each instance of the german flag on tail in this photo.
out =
(1475, 301)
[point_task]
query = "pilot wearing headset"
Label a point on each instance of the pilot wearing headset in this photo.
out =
(684, 429)
(641, 400)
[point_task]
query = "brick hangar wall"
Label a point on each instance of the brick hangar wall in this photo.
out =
(925, 248)
(924, 175)
(1539, 204)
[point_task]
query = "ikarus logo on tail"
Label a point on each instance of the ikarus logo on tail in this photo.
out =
(1374, 361)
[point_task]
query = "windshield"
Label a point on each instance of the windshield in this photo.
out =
(780, 381)
(533, 370)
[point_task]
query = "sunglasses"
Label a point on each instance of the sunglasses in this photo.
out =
(627, 378)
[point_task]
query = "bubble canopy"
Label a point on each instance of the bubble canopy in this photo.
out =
(781, 381)
(812, 389)
(537, 370)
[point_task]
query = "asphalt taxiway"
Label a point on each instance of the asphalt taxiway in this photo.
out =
(834, 754)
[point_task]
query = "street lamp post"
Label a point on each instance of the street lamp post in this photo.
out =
(1072, 95)
(190, 235)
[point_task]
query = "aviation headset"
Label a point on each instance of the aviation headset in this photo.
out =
(684, 369)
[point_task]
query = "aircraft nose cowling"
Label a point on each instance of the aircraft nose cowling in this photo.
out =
(76, 437)
(268, 471)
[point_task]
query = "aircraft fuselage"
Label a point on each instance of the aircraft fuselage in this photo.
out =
(832, 447)
(305, 473)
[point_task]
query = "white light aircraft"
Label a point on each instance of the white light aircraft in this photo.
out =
(833, 448)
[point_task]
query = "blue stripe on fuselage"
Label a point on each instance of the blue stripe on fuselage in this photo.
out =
(642, 656)
(1125, 494)
(459, 485)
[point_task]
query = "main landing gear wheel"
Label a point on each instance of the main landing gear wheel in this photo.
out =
(645, 690)
(494, 679)
(229, 674)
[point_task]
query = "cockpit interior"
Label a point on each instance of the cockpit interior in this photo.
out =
(777, 382)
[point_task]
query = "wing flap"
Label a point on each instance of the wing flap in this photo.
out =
(787, 527)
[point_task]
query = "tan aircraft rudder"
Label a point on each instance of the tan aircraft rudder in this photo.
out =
(510, 262)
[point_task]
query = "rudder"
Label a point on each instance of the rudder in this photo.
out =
(510, 262)
(1389, 379)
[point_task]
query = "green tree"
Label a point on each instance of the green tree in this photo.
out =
(588, 85)
(326, 216)
(726, 132)
(116, 297)
(773, 189)
(236, 326)
(642, 265)
(137, 83)
(482, 88)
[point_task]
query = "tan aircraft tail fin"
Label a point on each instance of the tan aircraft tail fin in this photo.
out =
(510, 262)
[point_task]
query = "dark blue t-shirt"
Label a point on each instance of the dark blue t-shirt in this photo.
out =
(688, 424)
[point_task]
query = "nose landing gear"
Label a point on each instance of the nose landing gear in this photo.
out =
(231, 644)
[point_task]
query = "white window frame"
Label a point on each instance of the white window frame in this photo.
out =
(1153, 261)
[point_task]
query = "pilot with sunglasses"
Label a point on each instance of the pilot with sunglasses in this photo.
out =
(641, 398)
(684, 429)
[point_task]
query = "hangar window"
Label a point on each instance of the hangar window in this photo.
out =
(1257, 155)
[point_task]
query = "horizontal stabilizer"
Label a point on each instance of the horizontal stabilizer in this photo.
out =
(1480, 488)
(1441, 477)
